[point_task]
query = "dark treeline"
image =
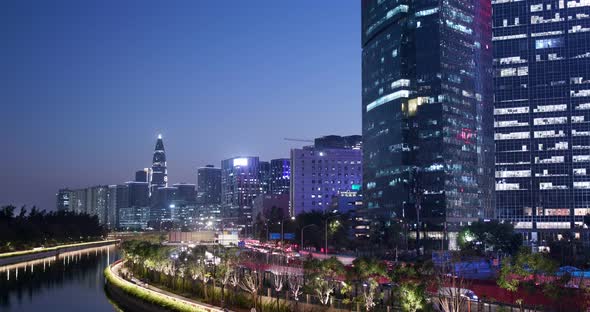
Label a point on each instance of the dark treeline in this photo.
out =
(35, 228)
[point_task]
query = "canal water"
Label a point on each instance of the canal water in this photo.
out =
(72, 282)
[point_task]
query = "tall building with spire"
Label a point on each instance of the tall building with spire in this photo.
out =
(159, 173)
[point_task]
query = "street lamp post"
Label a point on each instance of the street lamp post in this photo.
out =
(303, 228)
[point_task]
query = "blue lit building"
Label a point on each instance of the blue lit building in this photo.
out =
(321, 174)
(280, 176)
(542, 116)
(427, 138)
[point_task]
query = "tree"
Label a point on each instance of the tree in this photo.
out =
(278, 281)
(368, 271)
(322, 276)
(226, 269)
(251, 283)
(451, 296)
(412, 296)
(526, 266)
(295, 282)
(494, 235)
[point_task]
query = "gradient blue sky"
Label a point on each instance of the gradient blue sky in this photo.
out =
(85, 86)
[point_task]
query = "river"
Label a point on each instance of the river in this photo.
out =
(73, 282)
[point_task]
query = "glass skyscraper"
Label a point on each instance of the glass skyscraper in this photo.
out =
(542, 115)
(425, 132)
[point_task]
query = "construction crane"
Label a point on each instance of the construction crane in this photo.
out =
(298, 140)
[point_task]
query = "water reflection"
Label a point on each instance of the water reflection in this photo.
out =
(72, 282)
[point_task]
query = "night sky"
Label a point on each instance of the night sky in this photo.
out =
(86, 86)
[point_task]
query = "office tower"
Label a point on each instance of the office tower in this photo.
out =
(423, 94)
(137, 194)
(162, 203)
(320, 175)
(280, 176)
(118, 198)
(265, 176)
(542, 117)
(78, 201)
(133, 205)
(97, 199)
(209, 185)
(143, 175)
(63, 199)
(159, 172)
(186, 192)
(240, 184)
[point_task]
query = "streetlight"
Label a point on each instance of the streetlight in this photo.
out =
(282, 229)
(303, 228)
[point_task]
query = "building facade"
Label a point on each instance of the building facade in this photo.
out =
(319, 175)
(422, 106)
(209, 185)
(542, 116)
(280, 176)
(265, 176)
(64, 197)
(240, 184)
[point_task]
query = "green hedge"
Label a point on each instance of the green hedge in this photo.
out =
(149, 296)
(26, 252)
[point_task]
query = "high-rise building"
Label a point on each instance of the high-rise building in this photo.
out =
(265, 176)
(159, 172)
(143, 175)
(280, 176)
(137, 194)
(64, 199)
(319, 176)
(162, 203)
(424, 84)
(542, 116)
(209, 185)
(186, 192)
(97, 197)
(78, 201)
(240, 184)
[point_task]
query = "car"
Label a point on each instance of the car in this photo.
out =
(452, 291)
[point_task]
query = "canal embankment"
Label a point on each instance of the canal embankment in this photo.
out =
(40, 253)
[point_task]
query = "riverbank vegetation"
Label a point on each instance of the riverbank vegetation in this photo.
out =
(37, 228)
(239, 279)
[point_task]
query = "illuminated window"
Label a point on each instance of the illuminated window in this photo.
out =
(582, 185)
(549, 43)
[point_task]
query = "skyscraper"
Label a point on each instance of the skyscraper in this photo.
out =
(159, 173)
(64, 199)
(186, 192)
(240, 184)
(265, 176)
(209, 185)
(542, 116)
(423, 93)
(280, 176)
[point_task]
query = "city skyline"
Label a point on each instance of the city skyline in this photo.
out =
(98, 110)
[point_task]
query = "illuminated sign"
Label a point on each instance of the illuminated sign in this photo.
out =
(356, 187)
(240, 162)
